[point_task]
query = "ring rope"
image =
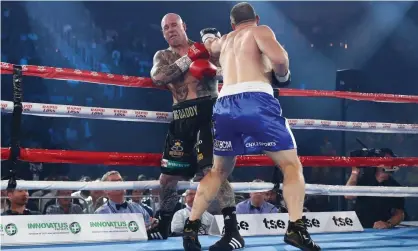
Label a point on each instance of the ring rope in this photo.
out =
(154, 159)
(242, 187)
(71, 111)
(131, 81)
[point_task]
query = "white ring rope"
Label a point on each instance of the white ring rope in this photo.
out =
(54, 110)
(241, 187)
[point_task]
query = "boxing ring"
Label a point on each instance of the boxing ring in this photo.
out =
(385, 240)
(405, 237)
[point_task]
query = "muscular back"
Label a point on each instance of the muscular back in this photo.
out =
(183, 86)
(241, 58)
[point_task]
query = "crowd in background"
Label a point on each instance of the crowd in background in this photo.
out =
(128, 48)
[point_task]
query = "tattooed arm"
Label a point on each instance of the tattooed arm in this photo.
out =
(164, 73)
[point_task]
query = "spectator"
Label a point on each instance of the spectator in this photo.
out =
(86, 200)
(116, 203)
(327, 149)
(275, 198)
(136, 197)
(45, 193)
(377, 212)
(64, 205)
(18, 200)
(4, 202)
(50, 196)
(256, 204)
(97, 199)
(151, 199)
(179, 218)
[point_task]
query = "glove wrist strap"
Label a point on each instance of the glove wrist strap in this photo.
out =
(183, 63)
(284, 78)
(207, 36)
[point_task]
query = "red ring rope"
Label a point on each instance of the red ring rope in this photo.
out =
(148, 159)
(130, 81)
(154, 159)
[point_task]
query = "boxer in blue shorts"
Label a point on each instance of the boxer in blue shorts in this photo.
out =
(248, 120)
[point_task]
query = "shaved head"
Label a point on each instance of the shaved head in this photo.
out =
(170, 17)
(174, 30)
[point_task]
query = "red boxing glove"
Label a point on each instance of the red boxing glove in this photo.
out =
(202, 68)
(197, 51)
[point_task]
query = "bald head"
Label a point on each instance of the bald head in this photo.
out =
(174, 30)
(171, 17)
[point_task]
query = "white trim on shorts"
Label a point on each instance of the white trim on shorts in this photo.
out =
(238, 88)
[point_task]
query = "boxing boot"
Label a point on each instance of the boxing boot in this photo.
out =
(297, 235)
(231, 240)
(190, 235)
(162, 230)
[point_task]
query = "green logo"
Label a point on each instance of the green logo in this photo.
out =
(10, 229)
(133, 226)
(103, 224)
(75, 228)
(58, 226)
(177, 164)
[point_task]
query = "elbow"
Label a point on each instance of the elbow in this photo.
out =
(157, 81)
(281, 60)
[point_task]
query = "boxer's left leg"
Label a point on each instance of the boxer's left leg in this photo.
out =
(207, 191)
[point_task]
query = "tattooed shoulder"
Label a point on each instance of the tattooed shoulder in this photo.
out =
(164, 70)
(166, 56)
(170, 56)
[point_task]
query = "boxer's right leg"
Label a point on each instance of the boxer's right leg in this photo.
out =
(293, 181)
(169, 196)
(294, 195)
(168, 201)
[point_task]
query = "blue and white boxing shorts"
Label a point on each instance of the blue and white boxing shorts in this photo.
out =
(248, 120)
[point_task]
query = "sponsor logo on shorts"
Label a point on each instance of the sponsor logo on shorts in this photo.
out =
(176, 149)
(185, 112)
(220, 145)
(263, 144)
(199, 156)
(173, 164)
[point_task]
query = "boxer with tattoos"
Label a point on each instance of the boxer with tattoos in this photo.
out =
(184, 68)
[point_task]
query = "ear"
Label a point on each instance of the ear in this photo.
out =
(257, 18)
(233, 26)
(184, 26)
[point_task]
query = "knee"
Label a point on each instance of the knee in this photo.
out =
(292, 170)
(219, 172)
(166, 180)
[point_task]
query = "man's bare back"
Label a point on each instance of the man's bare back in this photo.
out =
(249, 54)
(241, 59)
